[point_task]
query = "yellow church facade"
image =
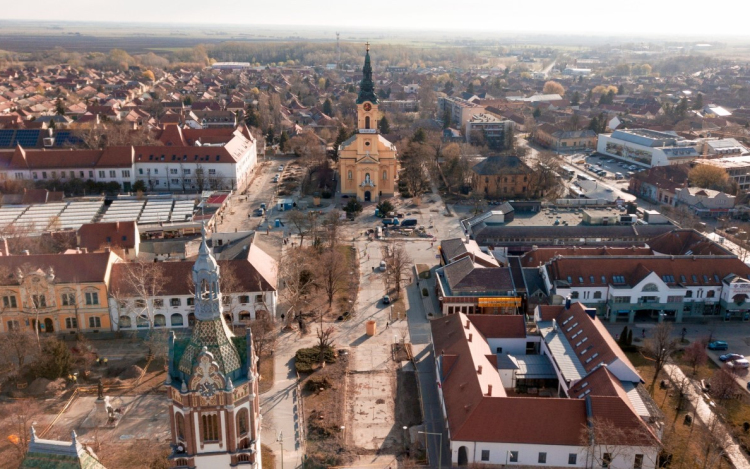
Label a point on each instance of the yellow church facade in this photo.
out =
(368, 168)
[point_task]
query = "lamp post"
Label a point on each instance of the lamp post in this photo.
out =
(405, 437)
(343, 436)
(440, 447)
(280, 439)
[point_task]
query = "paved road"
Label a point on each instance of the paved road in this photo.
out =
(704, 412)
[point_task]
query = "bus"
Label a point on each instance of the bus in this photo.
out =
(585, 177)
(567, 172)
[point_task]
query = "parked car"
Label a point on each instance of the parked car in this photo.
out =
(281, 167)
(718, 345)
(258, 212)
(382, 266)
(739, 363)
(730, 357)
(386, 300)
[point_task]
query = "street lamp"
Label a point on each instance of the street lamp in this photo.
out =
(406, 437)
(343, 435)
(440, 447)
(280, 439)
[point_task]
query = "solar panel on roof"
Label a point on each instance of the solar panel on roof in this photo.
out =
(6, 137)
(66, 138)
(26, 138)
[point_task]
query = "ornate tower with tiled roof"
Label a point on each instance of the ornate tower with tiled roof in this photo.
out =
(212, 384)
(367, 161)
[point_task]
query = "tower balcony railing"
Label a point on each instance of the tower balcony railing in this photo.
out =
(367, 184)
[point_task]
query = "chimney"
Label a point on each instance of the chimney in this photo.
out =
(489, 389)
(470, 337)
(479, 370)
(567, 302)
(468, 324)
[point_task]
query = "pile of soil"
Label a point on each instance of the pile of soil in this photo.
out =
(43, 386)
(132, 372)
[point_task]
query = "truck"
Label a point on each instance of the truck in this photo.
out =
(409, 222)
(390, 221)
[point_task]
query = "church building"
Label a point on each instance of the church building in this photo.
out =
(367, 162)
(212, 384)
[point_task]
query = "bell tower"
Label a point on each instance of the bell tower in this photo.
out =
(367, 100)
(212, 389)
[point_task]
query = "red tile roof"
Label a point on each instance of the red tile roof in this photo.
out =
(98, 236)
(68, 268)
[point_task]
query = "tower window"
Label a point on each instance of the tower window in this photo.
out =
(210, 427)
(367, 122)
(180, 423)
(242, 423)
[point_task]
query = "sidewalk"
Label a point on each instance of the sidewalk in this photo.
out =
(704, 412)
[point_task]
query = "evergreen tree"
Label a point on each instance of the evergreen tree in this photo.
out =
(623, 338)
(59, 107)
(470, 88)
(328, 107)
(384, 126)
(419, 136)
(698, 104)
(283, 140)
(537, 112)
(340, 138)
(575, 100)
(446, 118)
(251, 117)
(621, 89)
(328, 83)
(630, 337)
(270, 136)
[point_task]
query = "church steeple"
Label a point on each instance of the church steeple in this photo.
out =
(367, 86)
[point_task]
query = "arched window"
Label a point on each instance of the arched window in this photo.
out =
(367, 122)
(125, 322)
(243, 425)
(650, 287)
(350, 174)
(574, 295)
(597, 295)
(180, 424)
(140, 321)
(160, 320)
(689, 294)
(228, 318)
(385, 175)
(177, 320)
(191, 319)
(710, 294)
(205, 290)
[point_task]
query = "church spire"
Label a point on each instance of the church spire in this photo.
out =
(367, 86)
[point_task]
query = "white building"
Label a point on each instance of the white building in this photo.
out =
(249, 288)
(647, 148)
(738, 168)
(588, 382)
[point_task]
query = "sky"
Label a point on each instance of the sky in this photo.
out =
(718, 18)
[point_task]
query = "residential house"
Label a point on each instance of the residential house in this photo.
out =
(564, 140)
(121, 237)
(660, 183)
(705, 202)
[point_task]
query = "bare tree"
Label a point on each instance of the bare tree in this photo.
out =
(301, 222)
(17, 426)
(602, 441)
(143, 281)
(723, 384)
(660, 346)
(296, 279)
(695, 355)
(397, 264)
(264, 336)
(17, 350)
(332, 224)
(333, 273)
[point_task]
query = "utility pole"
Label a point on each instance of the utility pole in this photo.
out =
(280, 439)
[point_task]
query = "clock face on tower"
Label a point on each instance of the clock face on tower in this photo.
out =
(367, 106)
(207, 389)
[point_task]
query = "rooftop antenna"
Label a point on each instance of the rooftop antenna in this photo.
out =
(338, 50)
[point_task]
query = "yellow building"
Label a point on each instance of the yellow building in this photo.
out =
(367, 162)
(60, 292)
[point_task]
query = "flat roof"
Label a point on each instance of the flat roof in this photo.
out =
(533, 367)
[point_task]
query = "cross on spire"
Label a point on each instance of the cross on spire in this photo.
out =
(367, 45)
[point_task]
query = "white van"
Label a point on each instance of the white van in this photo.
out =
(619, 176)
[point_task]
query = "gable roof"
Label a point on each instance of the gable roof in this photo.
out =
(68, 268)
(501, 165)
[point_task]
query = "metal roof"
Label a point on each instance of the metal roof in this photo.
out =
(533, 367)
(562, 352)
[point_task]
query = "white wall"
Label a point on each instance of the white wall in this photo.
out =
(510, 346)
(557, 455)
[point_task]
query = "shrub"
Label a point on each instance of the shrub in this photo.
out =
(306, 358)
(55, 361)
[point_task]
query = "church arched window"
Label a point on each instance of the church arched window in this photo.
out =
(242, 423)
(210, 427)
(385, 175)
(180, 423)
(367, 122)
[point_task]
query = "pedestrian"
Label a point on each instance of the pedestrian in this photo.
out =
(387, 323)
(643, 333)
(373, 269)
